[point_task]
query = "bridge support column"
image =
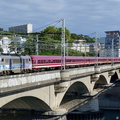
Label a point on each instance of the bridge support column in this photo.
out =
(110, 73)
(94, 77)
(57, 114)
(62, 86)
(62, 118)
(65, 75)
(97, 69)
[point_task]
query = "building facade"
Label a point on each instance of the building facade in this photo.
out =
(27, 28)
(82, 46)
(112, 43)
(101, 45)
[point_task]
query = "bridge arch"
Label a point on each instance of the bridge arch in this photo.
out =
(27, 102)
(114, 77)
(76, 89)
(100, 82)
(38, 95)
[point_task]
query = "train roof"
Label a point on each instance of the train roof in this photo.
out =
(14, 56)
(58, 57)
(44, 57)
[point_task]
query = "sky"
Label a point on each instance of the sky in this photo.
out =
(81, 16)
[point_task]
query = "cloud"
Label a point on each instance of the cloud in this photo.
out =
(82, 16)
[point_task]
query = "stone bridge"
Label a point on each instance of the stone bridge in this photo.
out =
(56, 92)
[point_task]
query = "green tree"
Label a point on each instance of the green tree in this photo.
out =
(29, 46)
(57, 34)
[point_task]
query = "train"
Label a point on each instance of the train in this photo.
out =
(11, 64)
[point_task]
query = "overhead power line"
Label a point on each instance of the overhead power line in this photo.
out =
(56, 22)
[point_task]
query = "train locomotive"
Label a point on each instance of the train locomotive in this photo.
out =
(10, 64)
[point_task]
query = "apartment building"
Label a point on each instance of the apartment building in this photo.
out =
(26, 28)
(112, 43)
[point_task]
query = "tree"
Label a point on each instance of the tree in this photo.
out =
(29, 46)
(57, 34)
(82, 37)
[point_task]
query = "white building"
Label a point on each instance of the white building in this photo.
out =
(5, 44)
(27, 28)
(19, 40)
(81, 46)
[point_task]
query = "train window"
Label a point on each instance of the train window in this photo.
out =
(50, 61)
(57, 61)
(2, 60)
(38, 61)
(16, 61)
(6, 61)
(42, 61)
(68, 61)
(46, 61)
(81, 60)
(27, 60)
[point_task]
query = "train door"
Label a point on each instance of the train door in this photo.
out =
(10, 64)
(23, 63)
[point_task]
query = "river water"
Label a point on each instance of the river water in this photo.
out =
(103, 115)
(109, 101)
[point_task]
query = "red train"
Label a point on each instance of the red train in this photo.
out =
(39, 62)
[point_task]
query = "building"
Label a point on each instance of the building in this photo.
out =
(81, 46)
(7, 47)
(112, 43)
(27, 28)
(4, 44)
(101, 45)
(19, 40)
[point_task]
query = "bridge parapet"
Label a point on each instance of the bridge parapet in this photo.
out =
(79, 72)
(108, 67)
(97, 69)
(117, 66)
(59, 78)
(16, 82)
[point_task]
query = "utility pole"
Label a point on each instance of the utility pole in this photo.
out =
(113, 51)
(96, 44)
(36, 44)
(63, 46)
(66, 48)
